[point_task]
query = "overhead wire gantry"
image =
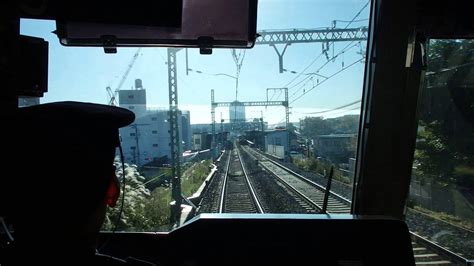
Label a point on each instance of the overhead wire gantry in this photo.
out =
(270, 37)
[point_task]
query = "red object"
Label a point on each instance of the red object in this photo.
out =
(113, 191)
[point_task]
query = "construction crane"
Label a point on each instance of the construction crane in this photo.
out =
(113, 93)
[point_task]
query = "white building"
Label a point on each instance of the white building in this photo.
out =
(237, 112)
(147, 138)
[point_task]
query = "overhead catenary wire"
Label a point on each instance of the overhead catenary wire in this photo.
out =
(351, 21)
(334, 74)
(332, 43)
(333, 109)
(306, 68)
(341, 51)
(311, 75)
(343, 111)
(238, 60)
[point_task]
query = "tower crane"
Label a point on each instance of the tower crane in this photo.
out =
(113, 93)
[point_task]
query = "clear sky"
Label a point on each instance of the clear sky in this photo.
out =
(82, 74)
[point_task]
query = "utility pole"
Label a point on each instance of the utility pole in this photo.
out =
(137, 149)
(221, 139)
(213, 117)
(137, 142)
(175, 143)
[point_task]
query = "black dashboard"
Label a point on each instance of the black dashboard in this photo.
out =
(272, 239)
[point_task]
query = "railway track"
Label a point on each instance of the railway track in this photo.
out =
(210, 203)
(425, 251)
(238, 195)
(306, 189)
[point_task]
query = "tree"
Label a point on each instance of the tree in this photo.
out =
(446, 126)
(344, 124)
(314, 126)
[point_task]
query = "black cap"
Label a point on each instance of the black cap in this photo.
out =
(72, 123)
(79, 113)
(60, 150)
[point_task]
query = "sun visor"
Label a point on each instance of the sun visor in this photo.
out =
(204, 24)
(165, 13)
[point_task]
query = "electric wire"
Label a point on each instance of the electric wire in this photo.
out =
(345, 111)
(334, 74)
(351, 21)
(343, 50)
(348, 24)
(331, 110)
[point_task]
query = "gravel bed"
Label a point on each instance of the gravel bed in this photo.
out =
(455, 239)
(211, 198)
(273, 195)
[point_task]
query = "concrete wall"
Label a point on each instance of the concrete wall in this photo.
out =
(276, 138)
(451, 199)
(276, 151)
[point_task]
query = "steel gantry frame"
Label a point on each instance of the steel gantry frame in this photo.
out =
(311, 35)
(272, 38)
(288, 37)
(266, 103)
(175, 143)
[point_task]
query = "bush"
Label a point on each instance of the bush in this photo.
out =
(145, 211)
(133, 214)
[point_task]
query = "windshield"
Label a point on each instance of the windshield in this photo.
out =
(260, 130)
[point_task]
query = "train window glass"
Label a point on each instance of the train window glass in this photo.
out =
(440, 206)
(288, 108)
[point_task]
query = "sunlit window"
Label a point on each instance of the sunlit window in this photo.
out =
(275, 120)
(440, 207)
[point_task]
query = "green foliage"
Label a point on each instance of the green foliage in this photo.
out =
(145, 211)
(434, 156)
(133, 214)
(445, 145)
(314, 126)
(157, 209)
(319, 167)
(194, 176)
(155, 177)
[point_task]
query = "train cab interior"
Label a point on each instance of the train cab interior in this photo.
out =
(414, 120)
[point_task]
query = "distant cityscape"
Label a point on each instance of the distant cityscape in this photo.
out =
(147, 140)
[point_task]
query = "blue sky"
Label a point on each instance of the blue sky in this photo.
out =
(82, 74)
